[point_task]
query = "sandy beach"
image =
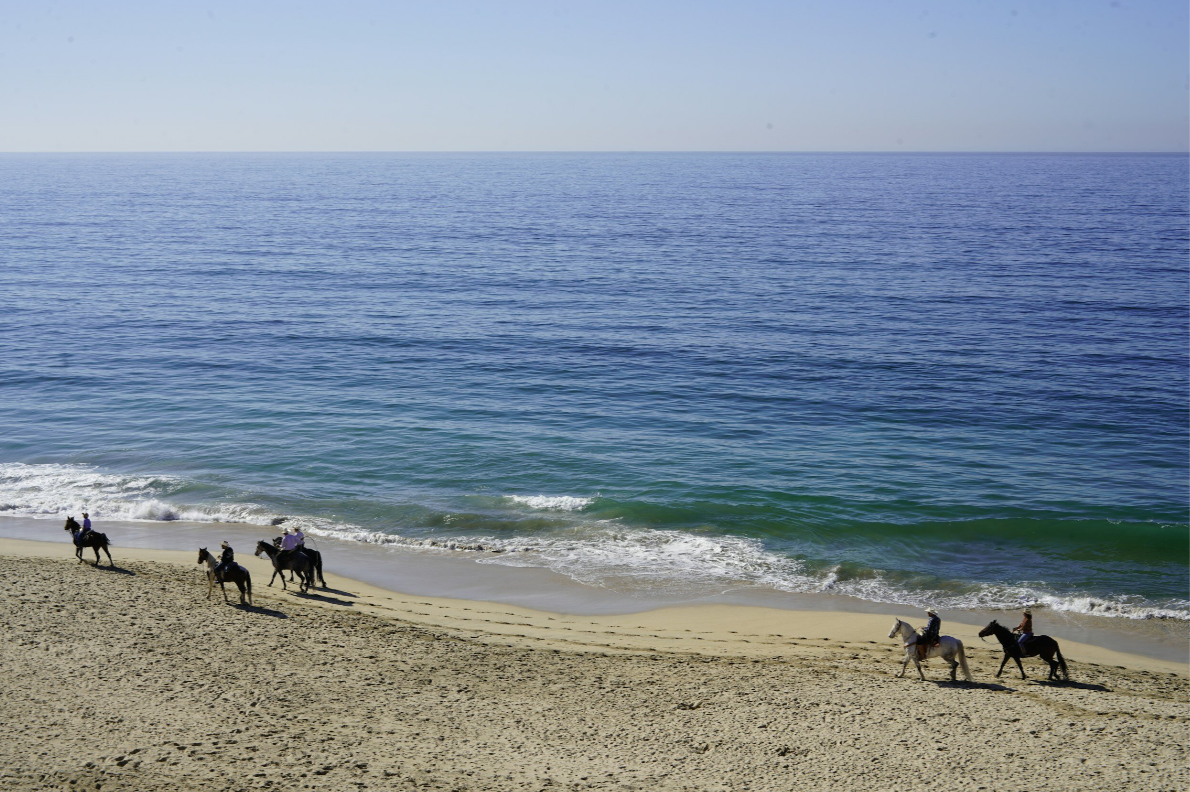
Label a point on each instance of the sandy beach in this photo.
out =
(129, 679)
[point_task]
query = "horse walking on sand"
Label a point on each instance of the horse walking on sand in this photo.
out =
(94, 540)
(298, 562)
(1038, 646)
(234, 574)
(948, 649)
(315, 560)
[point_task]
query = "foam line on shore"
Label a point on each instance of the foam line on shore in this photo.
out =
(715, 629)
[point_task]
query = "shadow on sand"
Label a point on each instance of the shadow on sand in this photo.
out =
(117, 570)
(276, 614)
(326, 590)
(1075, 685)
(329, 600)
(973, 685)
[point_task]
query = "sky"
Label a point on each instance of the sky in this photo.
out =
(454, 75)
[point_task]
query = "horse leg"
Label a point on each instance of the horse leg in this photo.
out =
(954, 667)
(1021, 667)
(240, 586)
(917, 663)
(224, 590)
(1053, 664)
(904, 665)
(210, 583)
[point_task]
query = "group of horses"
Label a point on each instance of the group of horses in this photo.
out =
(305, 562)
(951, 650)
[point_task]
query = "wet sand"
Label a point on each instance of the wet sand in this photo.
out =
(130, 679)
(482, 576)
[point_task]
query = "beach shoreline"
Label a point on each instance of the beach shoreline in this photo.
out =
(129, 678)
(448, 576)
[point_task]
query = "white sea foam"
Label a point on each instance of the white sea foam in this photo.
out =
(555, 503)
(598, 553)
(62, 490)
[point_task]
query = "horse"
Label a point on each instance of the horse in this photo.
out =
(94, 540)
(948, 649)
(234, 574)
(1038, 646)
(296, 561)
(315, 560)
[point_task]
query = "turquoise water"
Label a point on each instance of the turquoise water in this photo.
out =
(958, 380)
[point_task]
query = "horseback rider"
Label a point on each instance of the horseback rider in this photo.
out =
(289, 544)
(929, 634)
(1025, 630)
(86, 528)
(226, 561)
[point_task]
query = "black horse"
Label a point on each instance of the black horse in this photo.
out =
(233, 574)
(315, 559)
(1038, 646)
(94, 540)
(298, 562)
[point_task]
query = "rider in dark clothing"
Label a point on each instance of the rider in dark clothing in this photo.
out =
(226, 560)
(929, 634)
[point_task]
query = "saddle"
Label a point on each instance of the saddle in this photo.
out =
(221, 577)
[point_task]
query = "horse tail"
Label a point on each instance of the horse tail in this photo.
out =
(1062, 662)
(963, 662)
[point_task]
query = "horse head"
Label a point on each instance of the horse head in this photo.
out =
(990, 629)
(261, 547)
(71, 525)
(277, 542)
(203, 555)
(896, 629)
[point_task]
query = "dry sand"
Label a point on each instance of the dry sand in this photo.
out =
(129, 679)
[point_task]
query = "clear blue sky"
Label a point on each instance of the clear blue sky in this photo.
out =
(353, 75)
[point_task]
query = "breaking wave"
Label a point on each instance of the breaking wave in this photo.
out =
(603, 553)
(545, 502)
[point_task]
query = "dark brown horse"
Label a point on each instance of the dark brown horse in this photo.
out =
(234, 574)
(298, 562)
(315, 557)
(92, 539)
(1038, 646)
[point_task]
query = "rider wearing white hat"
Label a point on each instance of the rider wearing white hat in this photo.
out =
(929, 633)
(226, 559)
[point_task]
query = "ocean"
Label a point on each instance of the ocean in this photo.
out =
(948, 380)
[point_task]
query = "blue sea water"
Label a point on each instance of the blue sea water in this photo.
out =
(949, 379)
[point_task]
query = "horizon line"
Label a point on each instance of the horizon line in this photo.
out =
(611, 151)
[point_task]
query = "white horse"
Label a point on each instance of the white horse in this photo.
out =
(948, 649)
